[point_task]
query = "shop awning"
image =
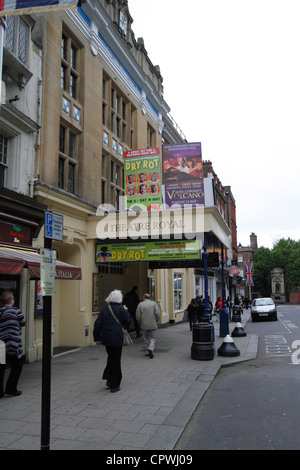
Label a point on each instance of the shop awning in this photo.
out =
(13, 261)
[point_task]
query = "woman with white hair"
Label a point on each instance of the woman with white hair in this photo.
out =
(108, 332)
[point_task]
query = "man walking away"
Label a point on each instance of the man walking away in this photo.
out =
(131, 300)
(148, 314)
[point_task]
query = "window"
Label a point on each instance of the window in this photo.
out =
(69, 66)
(3, 150)
(177, 291)
(151, 142)
(72, 145)
(64, 43)
(116, 184)
(68, 160)
(17, 32)
(70, 125)
(118, 113)
(63, 77)
(3, 158)
(73, 85)
(62, 139)
(112, 180)
(61, 172)
(71, 178)
(119, 118)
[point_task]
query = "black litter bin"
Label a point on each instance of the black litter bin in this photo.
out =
(203, 342)
(236, 313)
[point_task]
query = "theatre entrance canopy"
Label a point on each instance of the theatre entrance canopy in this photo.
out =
(193, 225)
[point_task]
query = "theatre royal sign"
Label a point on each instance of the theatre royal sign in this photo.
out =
(175, 224)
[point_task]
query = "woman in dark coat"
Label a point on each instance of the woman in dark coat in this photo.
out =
(192, 309)
(108, 332)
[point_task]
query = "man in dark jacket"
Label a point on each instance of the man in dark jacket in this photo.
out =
(131, 300)
(11, 321)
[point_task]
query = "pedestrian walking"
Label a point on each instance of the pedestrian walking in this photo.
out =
(131, 300)
(11, 322)
(229, 305)
(193, 310)
(109, 332)
(148, 314)
(218, 307)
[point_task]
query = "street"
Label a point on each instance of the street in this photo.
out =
(254, 405)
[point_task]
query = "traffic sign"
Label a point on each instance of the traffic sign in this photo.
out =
(54, 226)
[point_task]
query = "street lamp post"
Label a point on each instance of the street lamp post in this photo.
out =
(206, 301)
(224, 314)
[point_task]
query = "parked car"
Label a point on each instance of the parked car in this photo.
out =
(263, 309)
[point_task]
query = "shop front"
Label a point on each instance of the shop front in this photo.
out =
(21, 222)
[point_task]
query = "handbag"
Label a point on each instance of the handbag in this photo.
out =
(126, 336)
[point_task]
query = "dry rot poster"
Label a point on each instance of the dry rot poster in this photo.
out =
(143, 182)
(183, 174)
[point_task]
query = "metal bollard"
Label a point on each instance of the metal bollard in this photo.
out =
(203, 342)
(236, 313)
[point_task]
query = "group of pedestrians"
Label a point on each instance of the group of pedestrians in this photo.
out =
(116, 314)
(108, 332)
(195, 310)
(242, 301)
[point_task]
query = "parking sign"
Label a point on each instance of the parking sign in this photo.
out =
(54, 226)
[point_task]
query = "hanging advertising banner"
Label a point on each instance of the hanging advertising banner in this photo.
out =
(183, 174)
(234, 270)
(150, 251)
(142, 174)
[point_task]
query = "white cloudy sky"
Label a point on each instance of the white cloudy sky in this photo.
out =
(231, 74)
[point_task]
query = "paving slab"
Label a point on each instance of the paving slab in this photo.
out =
(157, 398)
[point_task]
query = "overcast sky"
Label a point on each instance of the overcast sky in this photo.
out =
(231, 73)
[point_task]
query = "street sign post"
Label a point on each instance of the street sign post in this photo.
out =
(53, 231)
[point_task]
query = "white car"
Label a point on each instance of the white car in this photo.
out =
(263, 308)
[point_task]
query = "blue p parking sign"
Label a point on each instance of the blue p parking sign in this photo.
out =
(54, 226)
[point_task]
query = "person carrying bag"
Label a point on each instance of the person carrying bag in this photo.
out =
(107, 331)
(126, 336)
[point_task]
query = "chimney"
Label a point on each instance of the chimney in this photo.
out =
(253, 241)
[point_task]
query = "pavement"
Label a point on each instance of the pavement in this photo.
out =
(157, 398)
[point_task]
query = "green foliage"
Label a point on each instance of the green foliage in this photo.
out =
(262, 266)
(285, 254)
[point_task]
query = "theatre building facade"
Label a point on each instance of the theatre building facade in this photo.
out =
(94, 97)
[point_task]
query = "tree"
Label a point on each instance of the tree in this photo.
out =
(262, 267)
(285, 254)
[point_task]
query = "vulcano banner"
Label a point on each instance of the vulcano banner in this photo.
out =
(183, 174)
(149, 251)
(142, 173)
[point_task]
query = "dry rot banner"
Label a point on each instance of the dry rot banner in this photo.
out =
(149, 251)
(183, 174)
(142, 173)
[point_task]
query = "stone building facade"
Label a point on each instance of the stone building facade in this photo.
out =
(90, 93)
